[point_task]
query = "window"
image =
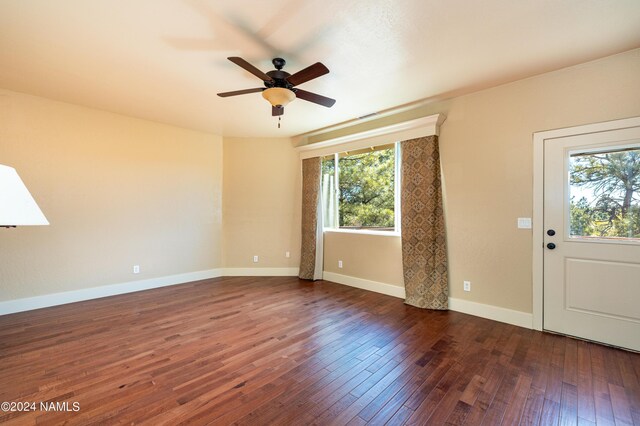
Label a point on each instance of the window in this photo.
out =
(605, 194)
(359, 189)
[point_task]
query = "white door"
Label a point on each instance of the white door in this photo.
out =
(592, 236)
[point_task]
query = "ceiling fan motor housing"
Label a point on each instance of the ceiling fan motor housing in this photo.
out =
(279, 79)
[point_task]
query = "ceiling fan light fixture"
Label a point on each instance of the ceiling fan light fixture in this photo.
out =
(278, 96)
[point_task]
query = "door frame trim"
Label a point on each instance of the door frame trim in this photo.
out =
(538, 199)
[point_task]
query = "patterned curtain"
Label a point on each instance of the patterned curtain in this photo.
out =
(311, 250)
(424, 251)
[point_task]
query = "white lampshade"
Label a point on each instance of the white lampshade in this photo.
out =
(278, 96)
(17, 206)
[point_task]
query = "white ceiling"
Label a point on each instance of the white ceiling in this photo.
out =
(166, 60)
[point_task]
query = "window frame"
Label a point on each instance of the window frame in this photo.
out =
(366, 133)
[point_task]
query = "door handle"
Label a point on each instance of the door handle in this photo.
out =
(551, 246)
(551, 232)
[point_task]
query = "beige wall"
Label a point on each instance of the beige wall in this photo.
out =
(117, 191)
(120, 191)
(370, 257)
(261, 216)
(487, 156)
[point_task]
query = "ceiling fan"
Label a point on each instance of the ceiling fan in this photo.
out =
(279, 85)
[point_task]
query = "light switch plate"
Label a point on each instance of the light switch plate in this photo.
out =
(524, 223)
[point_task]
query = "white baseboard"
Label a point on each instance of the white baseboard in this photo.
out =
(378, 287)
(45, 301)
(259, 272)
(496, 313)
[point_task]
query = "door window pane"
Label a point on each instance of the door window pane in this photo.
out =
(604, 190)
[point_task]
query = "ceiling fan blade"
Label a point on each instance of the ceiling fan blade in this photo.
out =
(275, 111)
(240, 92)
(309, 73)
(248, 67)
(315, 98)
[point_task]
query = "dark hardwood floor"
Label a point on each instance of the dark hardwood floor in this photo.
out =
(257, 351)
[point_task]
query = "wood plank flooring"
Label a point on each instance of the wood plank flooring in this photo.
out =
(253, 351)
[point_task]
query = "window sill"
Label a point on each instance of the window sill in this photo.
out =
(363, 232)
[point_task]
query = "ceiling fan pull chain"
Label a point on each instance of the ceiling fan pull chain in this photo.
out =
(279, 119)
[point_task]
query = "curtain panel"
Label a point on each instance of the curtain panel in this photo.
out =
(424, 251)
(311, 248)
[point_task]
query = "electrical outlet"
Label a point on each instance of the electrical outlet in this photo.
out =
(467, 286)
(287, 254)
(136, 269)
(339, 263)
(255, 259)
